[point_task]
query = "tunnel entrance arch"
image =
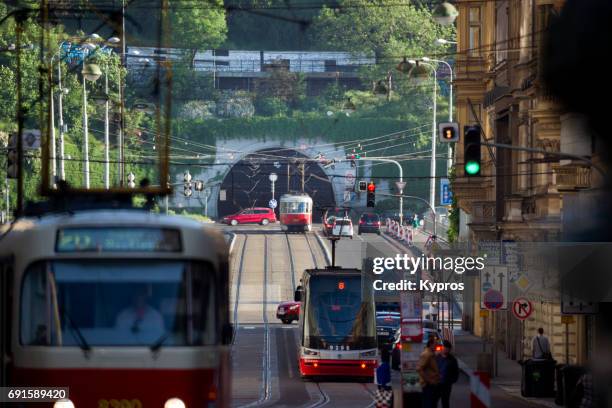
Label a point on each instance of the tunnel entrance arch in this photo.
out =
(247, 184)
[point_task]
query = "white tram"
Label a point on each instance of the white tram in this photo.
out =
(127, 308)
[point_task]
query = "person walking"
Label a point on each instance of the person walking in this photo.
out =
(449, 372)
(382, 378)
(540, 346)
(429, 375)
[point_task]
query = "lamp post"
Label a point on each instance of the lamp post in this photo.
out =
(432, 171)
(450, 103)
(442, 41)
(90, 72)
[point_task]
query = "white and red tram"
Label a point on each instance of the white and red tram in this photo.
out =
(337, 324)
(296, 212)
(126, 308)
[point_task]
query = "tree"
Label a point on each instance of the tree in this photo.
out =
(197, 25)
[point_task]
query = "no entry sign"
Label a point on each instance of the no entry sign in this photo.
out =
(522, 308)
(493, 299)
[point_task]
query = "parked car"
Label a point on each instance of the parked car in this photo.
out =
(258, 215)
(288, 311)
(343, 227)
(369, 222)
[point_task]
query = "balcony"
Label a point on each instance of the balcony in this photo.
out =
(572, 177)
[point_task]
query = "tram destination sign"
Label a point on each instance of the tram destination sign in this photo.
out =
(118, 239)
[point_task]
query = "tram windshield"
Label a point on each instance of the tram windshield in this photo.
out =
(339, 314)
(295, 207)
(118, 303)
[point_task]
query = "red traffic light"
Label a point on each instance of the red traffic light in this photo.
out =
(371, 187)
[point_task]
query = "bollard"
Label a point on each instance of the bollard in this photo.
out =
(480, 390)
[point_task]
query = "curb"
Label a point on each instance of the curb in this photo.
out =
(232, 242)
(324, 248)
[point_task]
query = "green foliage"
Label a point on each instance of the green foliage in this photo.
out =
(202, 27)
(272, 106)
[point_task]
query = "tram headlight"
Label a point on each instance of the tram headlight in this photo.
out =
(63, 403)
(175, 403)
(309, 352)
(371, 353)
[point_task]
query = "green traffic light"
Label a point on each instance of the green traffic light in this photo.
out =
(472, 167)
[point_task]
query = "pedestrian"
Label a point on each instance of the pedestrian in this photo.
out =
(449, 372)
(540, 346)
(415, 220)
(429, 375)
(382, 378)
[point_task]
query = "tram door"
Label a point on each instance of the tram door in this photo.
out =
(6, 271)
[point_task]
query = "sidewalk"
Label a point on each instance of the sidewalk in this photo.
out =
(467, 347)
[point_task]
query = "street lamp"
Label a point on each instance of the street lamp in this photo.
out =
(450, 103)
(273, 177)
(442, 41)
(418, 72)
(90, 72)
(445, 13)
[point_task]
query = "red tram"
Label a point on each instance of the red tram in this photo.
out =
(296, 212)
(337, 324)
(124, 307)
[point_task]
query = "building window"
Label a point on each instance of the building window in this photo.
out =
(501, 40)
(474, 32)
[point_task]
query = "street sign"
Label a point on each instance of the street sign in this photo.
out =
(273, 177)
(521, 308)
(272, 203)
(567, 319)
(493, 300)
(446, 195)
(494, 278)
(484, 313)
(576, 306)
(400, 186)
(222, 195)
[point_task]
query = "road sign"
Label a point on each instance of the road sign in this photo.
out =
(446, 195)
(484, 313)
(567, 319)
(272, 203)
(570, 305)
(493, 300)
(222, 195)
(400, 186)
(521, 308)
(273, 177)
(494, 278)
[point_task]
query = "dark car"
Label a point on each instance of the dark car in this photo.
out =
(369, 222)
(387, 323)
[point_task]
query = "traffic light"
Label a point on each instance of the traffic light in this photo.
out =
(371, 199)
(187, 189)
(363, 186)
(471, 150)
(448, 132)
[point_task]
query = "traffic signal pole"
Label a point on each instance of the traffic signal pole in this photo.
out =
(401, 180)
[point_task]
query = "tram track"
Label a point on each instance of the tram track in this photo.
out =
(266, 374)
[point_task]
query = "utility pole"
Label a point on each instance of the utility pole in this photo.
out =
(106, 133)
(432, 181)
(19, 17)
(62, 173)
(121, 132)
(303, 170)
(85, 136)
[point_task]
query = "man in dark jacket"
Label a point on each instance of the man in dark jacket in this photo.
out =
(449, 372)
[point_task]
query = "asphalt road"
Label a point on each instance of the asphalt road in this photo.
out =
(266, 267)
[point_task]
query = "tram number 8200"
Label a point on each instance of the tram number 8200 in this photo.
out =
(123, 403)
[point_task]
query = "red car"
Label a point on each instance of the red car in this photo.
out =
(288, 311)
(257, 215)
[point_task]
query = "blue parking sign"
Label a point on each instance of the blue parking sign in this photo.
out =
(446, 195)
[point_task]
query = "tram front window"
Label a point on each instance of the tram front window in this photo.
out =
(89, 303)
(338, 315)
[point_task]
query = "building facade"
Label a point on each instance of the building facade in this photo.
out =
(519, 195)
